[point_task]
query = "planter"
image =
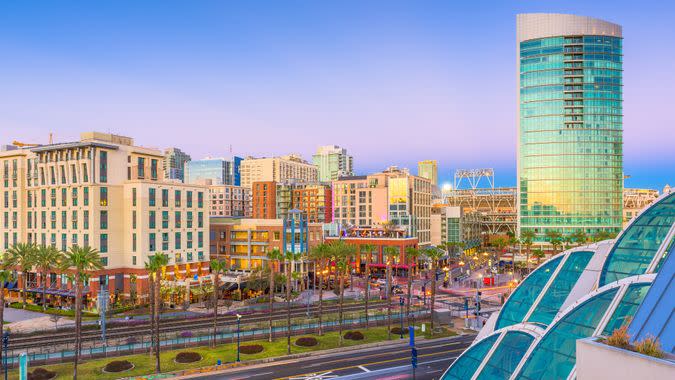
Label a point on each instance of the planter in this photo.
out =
(306, 341)
(251, 349)
(118, 366)
(188, 357)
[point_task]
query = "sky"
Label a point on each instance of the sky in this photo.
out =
(394, 82)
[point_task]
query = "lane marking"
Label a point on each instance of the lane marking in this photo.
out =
(364, 369)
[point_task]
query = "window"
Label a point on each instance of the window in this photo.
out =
(200, 199)
(189, 256)
(177, 219)
(133, 260)
(165, 241)
(133, 243)
(104, 243)
(64, 242)
(74, 196)
(85, 196)
(85, 240)
(151, 240)
(53, 220)
(73, 173)
(74, 219)
(189, 240)
(133, 196)
(200, 219)
(103, 196)
(151, 196)
(103, 166)
(153, 169)
(104, 262)
(177, 198)
(133, 219)
(104, 219)
(151, 220)
(64, 197)
(165, 219)
(165, 197)
(200, 256)
(177, 240)
(53, 197)
(188, 198)
(141, 167)
(200, 239)
(85, 219)
(189, 219)
(85, 174)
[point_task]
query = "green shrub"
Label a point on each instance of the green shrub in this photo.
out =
(306, 341)
(118, 366)
(251, 349)
(188, 357)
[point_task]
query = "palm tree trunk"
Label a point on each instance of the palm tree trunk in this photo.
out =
(528, 258)
(151, 302)
(320, 332)
(44, 291)
(271, 295)
(389, 286)
(24, 282)
(433, 296)
(288, 307)
(367, 286)
(2, 317)
(342, 293)
(157, 312)
(215, 309)
(78, 322)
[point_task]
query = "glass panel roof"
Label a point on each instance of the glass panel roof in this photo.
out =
(506, 356)
(560, 288)
(464, 367)
(523, 297)
(627, 307)
(636, 247)
(555, 355)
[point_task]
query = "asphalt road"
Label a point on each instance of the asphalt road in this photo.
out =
(390, 362)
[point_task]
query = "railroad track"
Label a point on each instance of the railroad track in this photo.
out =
(175, 325)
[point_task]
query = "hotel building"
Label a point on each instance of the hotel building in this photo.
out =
(333, 162)
(277, 169)
(570, 124)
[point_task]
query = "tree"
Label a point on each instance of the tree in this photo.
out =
(433, 255)
(602, 235)
(391, 253)
(554, 238)
(290, 258)
(22, 255)
(539, 254)
(320, 254)
(368, 249)
(411, 254)
(45, 259)
(527, 238)
(217, 267)
(580, 237)
(81, 260)
(341, 253)
(155, 264)
(272, 256)
(6, 276)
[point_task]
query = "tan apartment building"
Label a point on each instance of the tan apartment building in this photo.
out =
(277, 169)
(107, 193)
(393, 195)
(230, 201)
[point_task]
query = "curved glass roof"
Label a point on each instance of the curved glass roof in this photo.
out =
(505, 358)
(638, 244)
(519, 303)
(560, 287)
(554, 356)
(627, 308)
(465, 366)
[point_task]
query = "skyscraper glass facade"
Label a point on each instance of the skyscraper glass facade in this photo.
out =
(570, 134)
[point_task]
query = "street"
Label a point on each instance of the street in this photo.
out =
(392, 362)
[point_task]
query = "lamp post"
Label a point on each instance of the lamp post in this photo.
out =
(5, 346)
(238, 329)
(401, 302)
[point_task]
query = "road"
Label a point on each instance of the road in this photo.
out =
(392, 362)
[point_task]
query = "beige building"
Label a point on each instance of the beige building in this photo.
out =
(636, 200)
(230, 201)
(393, 195)
(107, 193)
(277, 169)
(428, 169)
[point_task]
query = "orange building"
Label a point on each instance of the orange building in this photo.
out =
(264, 200)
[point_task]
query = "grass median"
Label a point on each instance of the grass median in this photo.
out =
(144, 364)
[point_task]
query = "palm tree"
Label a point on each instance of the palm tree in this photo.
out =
(22, 255)
(580, 237)
(539, 254)
(290, 258)
(155, 264)
(151, 302)
(46, 258)
(527, 238)
(342, 254)
(602, 235)
(433, 255)
(412, 254)
(319, 254)
(81, 260)
(217, 267)
(272, 256)
(391, 253)
(6, 276)
(368, 249)
(555, 238)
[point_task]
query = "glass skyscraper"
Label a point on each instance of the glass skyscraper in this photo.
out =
(220, 171)
(570, 158)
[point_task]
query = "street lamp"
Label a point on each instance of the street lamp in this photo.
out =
(401, 302)
(238, 329)
(5, 346)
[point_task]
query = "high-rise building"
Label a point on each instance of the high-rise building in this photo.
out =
(277, 169)
(273, 200)
(570, 158)
(174, 163)
(104, 192)
(393, 196)
(221, 171)
(230, 201)
(333, 162)
(428, 169)
(264, 200)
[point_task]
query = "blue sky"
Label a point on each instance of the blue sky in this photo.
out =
(392, 81)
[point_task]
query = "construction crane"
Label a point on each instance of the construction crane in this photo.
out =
(21, 144)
